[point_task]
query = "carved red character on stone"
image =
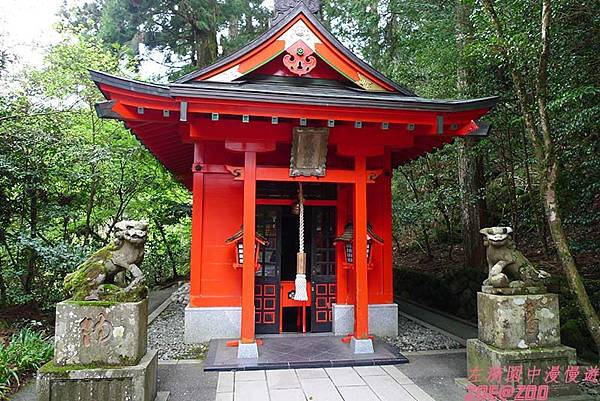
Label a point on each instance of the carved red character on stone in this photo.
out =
(299, 59)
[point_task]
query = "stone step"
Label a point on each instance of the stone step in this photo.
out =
(162, 396)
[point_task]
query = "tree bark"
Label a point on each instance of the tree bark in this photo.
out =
(425, 235)
(31, 252)
(470, 167)
(2, 284)
(540, 225)
(161, 230)
(470, 193)
(547, 164)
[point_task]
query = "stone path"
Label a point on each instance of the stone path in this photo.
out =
(458, 329)
(361, 383)
(157, 297)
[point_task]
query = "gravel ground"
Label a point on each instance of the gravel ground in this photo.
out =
(414, 337)
(166, 335)
(592, 389)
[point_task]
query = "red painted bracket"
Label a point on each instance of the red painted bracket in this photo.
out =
(346, 339)
(235, 343)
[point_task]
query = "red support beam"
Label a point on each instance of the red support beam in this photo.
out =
(197, 226)
(361, 305)
(388, 289)
(248, 270)
(263, 131)
(335, 176)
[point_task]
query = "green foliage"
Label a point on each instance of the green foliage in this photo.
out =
(432, 48)
(67, 177)
(27, 351)
(186, 33)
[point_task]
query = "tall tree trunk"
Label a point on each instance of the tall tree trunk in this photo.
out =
(547, 164)
(424, 233)
(540, 225)
(161, 230)
(509, 175)
(2, 284)
(470, 166)
(31, 253)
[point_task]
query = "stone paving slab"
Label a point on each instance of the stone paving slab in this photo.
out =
(188, 381)
(432, 373)
(369, 383)
(289, 352)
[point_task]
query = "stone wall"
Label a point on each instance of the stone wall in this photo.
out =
(453, 292)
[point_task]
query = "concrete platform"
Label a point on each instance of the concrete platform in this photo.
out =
(285, 352)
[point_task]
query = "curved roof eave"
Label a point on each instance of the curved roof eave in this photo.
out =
(235, 91)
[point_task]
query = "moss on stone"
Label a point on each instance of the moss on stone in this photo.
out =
(83, 279)
(127, 361)
(102, 304)
(63, 370)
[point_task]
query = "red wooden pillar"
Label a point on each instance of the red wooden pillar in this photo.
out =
(361, 304)
(248, 270)
(388, 279)
(197, 211)
(342, 219)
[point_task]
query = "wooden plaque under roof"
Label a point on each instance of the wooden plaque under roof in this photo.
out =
(309, 152)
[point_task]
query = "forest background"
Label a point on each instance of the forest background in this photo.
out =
(67, 177)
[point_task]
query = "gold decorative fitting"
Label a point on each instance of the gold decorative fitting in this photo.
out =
(367, 84)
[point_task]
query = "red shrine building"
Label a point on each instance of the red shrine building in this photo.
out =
(288, 147)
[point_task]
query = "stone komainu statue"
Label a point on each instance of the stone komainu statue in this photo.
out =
(508, 268)
(113, 272)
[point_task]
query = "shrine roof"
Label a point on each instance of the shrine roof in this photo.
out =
(255, 52)
(295, 70)
(293, 91)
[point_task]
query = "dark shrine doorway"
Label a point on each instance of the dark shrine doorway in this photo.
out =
(274, 281)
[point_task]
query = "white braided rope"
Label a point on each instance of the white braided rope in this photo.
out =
(300, 282)
(301, 228)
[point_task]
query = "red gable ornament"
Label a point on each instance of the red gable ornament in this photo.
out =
(299, 59)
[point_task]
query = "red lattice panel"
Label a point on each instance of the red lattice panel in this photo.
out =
(265, 304)
(324, 299)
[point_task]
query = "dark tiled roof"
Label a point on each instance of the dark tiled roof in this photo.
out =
(285, 91)
(348, 234)
(240, 234)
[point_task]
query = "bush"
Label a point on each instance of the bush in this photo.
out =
(26, 352)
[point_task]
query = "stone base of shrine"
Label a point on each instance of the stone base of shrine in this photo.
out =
(481, 357)
(203, 324)
(88, 383)
(383, 320)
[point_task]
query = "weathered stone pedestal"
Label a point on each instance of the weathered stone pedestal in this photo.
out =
(520, 330)
(100, 354)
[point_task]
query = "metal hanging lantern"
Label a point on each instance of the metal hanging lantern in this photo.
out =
(238, 239)
(295, 209)
(347, 238)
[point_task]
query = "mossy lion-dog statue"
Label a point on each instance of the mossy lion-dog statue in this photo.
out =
(113, 273)
(508, 268)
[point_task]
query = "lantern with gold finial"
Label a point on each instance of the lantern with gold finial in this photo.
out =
(347, 238)
(238, 239)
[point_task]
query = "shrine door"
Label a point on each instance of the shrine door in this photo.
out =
(322, 267)
(267, 280)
